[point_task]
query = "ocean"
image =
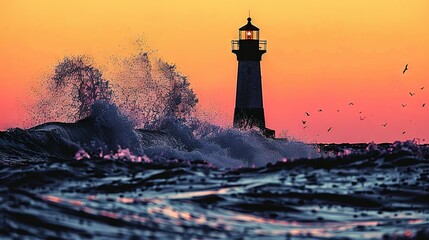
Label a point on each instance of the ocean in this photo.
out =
(100, 178)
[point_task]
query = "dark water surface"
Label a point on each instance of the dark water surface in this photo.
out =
(348, 191)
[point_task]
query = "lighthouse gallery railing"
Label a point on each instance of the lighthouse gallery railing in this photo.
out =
(235, 45)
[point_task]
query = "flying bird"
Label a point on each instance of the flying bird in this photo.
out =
(308, 114)
(329, 129)
(404, 105)
(412, 94)
(422, 88)
(320, 110)
(424, 104)
(384, 125)
(362, 118)
(403, 132)
(303, 122)
(405, 69)
(304, 127)
(351, 104)
(338, 110)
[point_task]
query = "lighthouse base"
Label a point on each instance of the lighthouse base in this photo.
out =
(251, 118)
(269, 133)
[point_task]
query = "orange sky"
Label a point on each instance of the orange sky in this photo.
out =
(320, 55)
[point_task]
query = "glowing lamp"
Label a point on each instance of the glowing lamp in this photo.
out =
(248, 34)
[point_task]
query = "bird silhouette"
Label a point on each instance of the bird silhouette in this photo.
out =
(308, 114)
(319, 110)
(422, 88)
(384, 125)
(404, 105)
(304, 127)
(329, 129)
(405, 69)
(362, 118)
(351, 104)
(424, 104)
(303, 122)
(403, 132)
(338, 110)
(412, 94)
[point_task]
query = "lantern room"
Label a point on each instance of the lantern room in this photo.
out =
(248, 31)
(248, 46)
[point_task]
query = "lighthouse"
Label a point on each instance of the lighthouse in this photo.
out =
(249, 108)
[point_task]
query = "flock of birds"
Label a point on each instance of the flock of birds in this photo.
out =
(304, 122)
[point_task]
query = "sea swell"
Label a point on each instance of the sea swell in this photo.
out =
(229, 184)
(354, 197)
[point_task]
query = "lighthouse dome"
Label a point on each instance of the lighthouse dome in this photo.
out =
(249, 26)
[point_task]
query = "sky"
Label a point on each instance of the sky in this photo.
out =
(321, 55)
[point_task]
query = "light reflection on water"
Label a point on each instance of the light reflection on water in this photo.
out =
(182, 214)
(358, 198)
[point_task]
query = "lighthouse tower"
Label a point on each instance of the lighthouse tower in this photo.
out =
(249, 108)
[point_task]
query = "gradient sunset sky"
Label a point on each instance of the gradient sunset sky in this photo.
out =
(320, 55)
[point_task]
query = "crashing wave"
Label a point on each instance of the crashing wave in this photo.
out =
(106, 131)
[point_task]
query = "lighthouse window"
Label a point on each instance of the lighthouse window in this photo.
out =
(248, 34)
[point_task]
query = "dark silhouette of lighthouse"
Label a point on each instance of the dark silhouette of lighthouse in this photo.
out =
(249, 109)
